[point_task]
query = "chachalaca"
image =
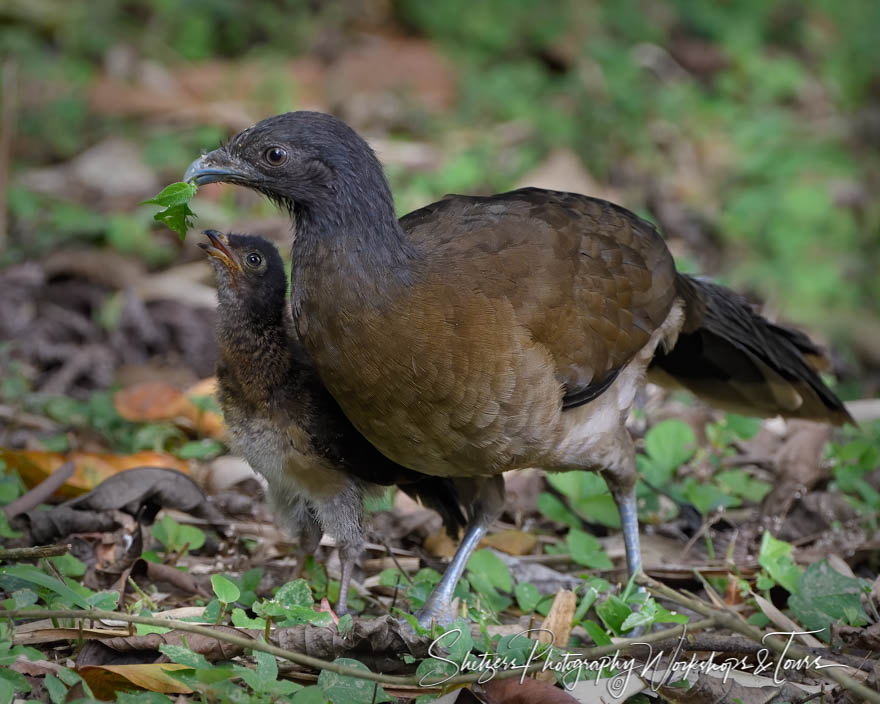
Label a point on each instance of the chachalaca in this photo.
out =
(482, 334)
(318, 468)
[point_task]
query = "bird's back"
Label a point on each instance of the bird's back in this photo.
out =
(522, 304)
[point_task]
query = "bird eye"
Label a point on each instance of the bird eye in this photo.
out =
(275, 156)
(254, 259)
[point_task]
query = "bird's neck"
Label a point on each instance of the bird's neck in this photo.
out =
(256, 349)
(350, 256)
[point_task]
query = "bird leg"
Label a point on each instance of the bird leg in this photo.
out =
(304, 525)
(621, 479)
(484, 508)
(342, 516)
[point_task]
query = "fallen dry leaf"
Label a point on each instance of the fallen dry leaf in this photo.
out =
(556, 628)
(153, 401)
(440, 544)
(141, 491)
(513, 542)
(106, 680)
(90, 468)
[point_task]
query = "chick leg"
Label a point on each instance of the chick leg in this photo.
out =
(309, 538)
(484, 508)
(293, 513)
(343, 518)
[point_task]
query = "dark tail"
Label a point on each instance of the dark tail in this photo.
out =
(438, 494)
(736, 359)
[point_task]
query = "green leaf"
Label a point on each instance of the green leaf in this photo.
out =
(744, 427)
(392, 577)
(594, 630)
(645, 616)
(310, 695)
(179, 218)
(226, 591)
(664, 616)
(21, 599)
(175, 536)
(527, 596)
(613, 611)
(775, 557)
(670, 444)
(204, 449)
(487, 564)
(825, 596)
(598, 509)
(16, 681)
(740, 482)
(706, 498)
(141, 698)
(295, 593)
(555, 510)
(267, 670)
(343, 689)
(241, 620)
(31, 574)
(184, 656)
(174, 194)
(176, 214)
(586, 550)
(7, 691)
(56, 688)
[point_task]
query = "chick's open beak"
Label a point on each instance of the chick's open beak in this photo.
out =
(219, 249)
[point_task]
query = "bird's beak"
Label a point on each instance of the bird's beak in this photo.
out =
(213, 167)
(219, 249)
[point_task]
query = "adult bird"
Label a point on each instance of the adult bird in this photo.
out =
(484, 334)
(318, 468)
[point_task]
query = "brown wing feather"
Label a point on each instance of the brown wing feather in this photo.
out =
(526, 298)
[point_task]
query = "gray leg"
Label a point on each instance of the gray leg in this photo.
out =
(293, 513)
(343, 517)
(485, 507)
(629, 522)
(621, 481)
(308, 538)
(348, 555)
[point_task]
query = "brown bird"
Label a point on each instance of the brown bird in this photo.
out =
(483, 334)
(318, 468)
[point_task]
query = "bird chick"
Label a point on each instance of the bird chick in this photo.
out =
(318, 468)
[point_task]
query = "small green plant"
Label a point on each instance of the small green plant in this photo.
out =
(177, 537)
(174, 200)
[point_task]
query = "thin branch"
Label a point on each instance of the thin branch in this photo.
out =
(319, 664)
(41, 491)
(34, 553)
(734, 622)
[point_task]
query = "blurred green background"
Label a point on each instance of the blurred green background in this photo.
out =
(747, 130)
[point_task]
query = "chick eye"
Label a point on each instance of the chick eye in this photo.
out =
(275, 156)
(254, 259)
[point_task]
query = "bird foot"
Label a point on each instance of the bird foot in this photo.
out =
(437, 614)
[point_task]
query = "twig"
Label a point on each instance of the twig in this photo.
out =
(40, 492)
(317, 663)
(34, 553)
(730, 620)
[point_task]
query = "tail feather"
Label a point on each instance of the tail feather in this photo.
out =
(737, 359)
